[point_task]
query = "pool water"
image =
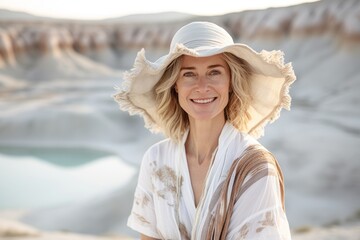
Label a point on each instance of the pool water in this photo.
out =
(34, 178)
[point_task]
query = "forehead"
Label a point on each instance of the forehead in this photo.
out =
(191, 61)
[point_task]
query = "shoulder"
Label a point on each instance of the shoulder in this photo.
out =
(160, 153)
(257, 156)
(252, 156)
(253, 147)
(244, 142)
(248, 140)
(160, 147)
(258, 163)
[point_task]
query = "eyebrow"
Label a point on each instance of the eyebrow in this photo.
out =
(209, 67)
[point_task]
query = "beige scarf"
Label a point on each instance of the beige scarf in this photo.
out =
(251, 164)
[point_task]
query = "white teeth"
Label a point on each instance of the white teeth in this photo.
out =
(203, 101)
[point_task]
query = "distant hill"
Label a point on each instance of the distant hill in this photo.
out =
(10, 15)
(151, 17)
(17, 15)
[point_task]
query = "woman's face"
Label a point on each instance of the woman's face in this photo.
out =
(203, 86)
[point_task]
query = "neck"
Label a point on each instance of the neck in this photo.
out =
(203, 139)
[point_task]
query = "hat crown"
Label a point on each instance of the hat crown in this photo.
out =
(199, 35)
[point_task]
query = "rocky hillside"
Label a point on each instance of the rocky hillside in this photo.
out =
(107, 42)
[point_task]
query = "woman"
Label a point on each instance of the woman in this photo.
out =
(210, 179)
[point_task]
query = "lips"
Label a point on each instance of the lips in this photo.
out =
(204, 100)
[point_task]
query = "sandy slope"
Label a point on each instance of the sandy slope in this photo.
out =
(351, 232)
(11, 228)
(14, 230)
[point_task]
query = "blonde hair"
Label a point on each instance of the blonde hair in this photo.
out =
(175, 121)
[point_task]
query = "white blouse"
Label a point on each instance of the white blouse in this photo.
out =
(164, 205)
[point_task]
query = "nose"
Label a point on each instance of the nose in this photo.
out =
(202, 84)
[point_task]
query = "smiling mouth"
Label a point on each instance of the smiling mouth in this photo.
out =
(204, 100)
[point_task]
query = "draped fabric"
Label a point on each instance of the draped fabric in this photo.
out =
(243, 197)
(253, 164)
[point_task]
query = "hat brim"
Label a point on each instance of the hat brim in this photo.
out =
(269, 84)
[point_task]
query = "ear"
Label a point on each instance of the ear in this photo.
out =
(175, 87)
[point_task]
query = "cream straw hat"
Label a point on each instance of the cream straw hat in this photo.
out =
(269, 82)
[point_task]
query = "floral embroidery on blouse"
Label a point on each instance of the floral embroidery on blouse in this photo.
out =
(166, 185)
(140, 218)
(142, 200)
(244, 231)
(267, 222)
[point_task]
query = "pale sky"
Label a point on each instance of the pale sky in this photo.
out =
(100, 9)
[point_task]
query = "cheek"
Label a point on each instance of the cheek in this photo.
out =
(181, 94)
(182, 99)
(181, 90)
(225, 88)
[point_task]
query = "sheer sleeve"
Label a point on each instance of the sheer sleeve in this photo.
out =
(142, 218)
(258, 213)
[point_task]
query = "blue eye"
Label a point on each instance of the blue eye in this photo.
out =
(188, 74)
(214, 72)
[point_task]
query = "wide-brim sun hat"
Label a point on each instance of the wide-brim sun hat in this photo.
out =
(269, 81)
